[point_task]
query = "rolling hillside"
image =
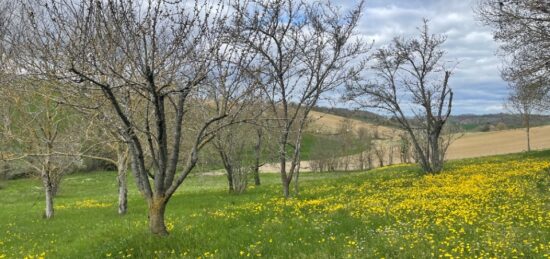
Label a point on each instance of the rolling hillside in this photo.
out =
(329, 123)
(472, 144)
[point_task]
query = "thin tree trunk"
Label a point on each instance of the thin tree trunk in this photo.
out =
(257, 181)
(228, 169)
(157, 207)
(49, 211)
(122, 182)
(48, 184)
(230, 179)
(286, 188)
(122, 193)
(527, 130)
(258, 153)
(296, 184)
(297, 176)
(282, 159)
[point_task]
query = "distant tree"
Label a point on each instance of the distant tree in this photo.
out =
(413, 86)
(364, 141)
(42, 134)
(347, 142)
(500, 126)
(522, 28)
(526, 99)
(404, 148)
(231, 146)
(305, 50)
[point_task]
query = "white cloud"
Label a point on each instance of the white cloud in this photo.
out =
(476, 80)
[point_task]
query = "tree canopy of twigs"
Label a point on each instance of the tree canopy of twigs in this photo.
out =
(304, 50)
(412, 85)
(522, 28)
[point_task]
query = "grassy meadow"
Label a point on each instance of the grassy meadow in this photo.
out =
(486, 207)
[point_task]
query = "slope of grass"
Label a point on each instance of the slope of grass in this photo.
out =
(496, 206)
(310, 141)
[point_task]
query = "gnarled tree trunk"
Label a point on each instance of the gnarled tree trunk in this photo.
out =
(157, 207)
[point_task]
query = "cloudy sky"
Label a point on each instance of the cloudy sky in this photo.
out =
(477, 84)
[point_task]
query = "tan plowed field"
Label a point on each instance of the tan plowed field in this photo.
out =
(498, 142)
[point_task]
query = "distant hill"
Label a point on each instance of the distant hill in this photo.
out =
(499, 121)
(365, 116)
(468, 122)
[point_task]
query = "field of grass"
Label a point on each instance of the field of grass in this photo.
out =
(490, 207)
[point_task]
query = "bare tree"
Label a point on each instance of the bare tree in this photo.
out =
(380, 153)
(305, 49)
(522, 28)
(347, 142)
(153, 54)
(525, 100)
(413, 86)
(364, 140)
(404, 148)
(40, 132)
(233, 144)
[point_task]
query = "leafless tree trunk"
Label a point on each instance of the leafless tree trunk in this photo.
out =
(228, 165)
(380, 153)
(122, 169)
(48, 186)
(257, 156)
(527, 129)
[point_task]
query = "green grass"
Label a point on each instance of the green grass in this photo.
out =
(310, 140)
(496, 206)
(331, 146)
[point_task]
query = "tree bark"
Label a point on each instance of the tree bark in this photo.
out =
(122, 176)
(296, 184)
(258, 153)
(436, 164)
(157, 207)
(228, 169)
(49, 211)
(286, 187)
(527, 131)
(122, 194)
(230, 179)
(122, 190)
(282, 159)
